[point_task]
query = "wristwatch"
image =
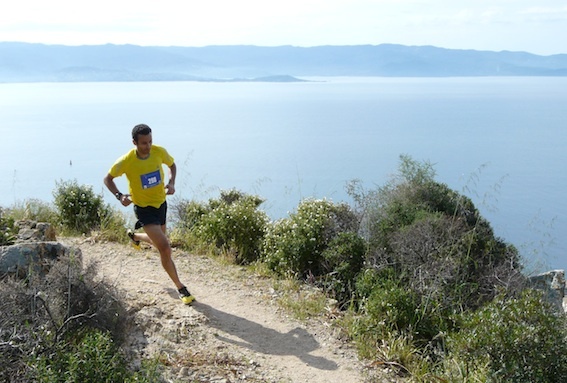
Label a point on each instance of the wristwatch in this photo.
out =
(118, 195)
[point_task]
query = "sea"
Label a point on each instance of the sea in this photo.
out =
(502, 141)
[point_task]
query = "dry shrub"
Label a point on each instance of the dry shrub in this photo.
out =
(40, 313)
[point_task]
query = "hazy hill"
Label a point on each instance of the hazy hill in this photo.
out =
(23, 62)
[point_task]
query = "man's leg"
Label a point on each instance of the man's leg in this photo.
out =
(157, 237)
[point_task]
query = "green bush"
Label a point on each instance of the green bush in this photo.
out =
(513, 340)
(92, 357)
(231, 224)
(341, 261)
(80, 209)
(392, 306)
(431, 256)
(368, 279)
(386, 309)
(236, 228)
(295, 245)
(436, 240)
(189, 213)
(8, 230)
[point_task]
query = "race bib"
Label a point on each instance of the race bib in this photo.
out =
(151, 179)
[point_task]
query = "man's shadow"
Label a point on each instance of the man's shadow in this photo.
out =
(297, 342)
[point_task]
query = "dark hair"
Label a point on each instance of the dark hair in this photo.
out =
(142, 129)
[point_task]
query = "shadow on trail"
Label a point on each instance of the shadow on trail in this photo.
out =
(297, 342)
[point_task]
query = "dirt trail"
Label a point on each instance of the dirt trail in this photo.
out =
(235, 324)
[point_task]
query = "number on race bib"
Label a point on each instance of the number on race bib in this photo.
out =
(151, 179)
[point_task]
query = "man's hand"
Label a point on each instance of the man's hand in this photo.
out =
(169, 189)
(125, 200)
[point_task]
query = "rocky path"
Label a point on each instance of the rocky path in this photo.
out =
(234, 332)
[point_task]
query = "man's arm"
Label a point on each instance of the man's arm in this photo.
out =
(172, 174)
(111, 185)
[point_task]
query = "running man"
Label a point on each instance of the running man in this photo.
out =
(147, 191)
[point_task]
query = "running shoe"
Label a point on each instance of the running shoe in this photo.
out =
(135, 243)
(185, 296)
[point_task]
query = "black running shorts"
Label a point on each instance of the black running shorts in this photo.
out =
(149, 215)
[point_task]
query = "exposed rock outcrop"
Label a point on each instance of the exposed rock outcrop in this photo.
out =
(31, 231)
(553, 284)
(34, 251)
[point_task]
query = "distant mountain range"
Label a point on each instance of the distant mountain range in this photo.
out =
(24, 62)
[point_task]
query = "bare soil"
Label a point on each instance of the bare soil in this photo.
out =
(234, 332)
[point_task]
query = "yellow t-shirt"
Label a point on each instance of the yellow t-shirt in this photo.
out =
(145, 176)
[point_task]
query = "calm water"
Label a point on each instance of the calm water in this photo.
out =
(501, 141)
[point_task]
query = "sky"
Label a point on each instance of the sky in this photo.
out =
(535, 26)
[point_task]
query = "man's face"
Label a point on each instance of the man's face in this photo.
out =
(144, 145)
